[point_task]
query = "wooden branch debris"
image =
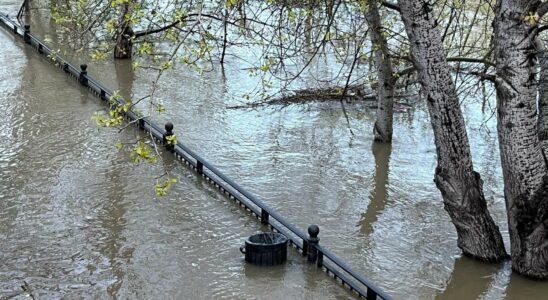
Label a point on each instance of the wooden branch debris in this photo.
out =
(354, 93)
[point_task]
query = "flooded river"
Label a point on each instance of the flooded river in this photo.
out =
(79, 220)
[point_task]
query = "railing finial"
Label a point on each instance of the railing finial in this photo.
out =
(82, 78)
(169, 132)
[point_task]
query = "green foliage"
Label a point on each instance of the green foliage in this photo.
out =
(162, 188)
(115, 114)
(53, 56)
(160, 108)
(100, 53)
(171, 140)
(145, 48)
(231, 3)
(115, 3)
(142, 152)
(119, 146)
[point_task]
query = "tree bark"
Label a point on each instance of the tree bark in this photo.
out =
(523, 162)
(385, 78)
(543, 95)
(461, 187)
(124, 34)
(25, 6)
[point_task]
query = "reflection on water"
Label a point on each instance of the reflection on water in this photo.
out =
(78, 219)
(126, 77)
(113, 220)
(379, 195)
(469, 280)
(520, 287)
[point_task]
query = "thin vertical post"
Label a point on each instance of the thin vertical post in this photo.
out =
(371, 294)
(264, 216)
(313, 241)
(199, 167)
(169, 132)
(319, 263)
(26, 34)
(83, 77)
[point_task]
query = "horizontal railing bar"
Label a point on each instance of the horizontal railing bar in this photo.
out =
(226, 186)
(248, 195)
(336, 260)
(345, 278)
(250, 201)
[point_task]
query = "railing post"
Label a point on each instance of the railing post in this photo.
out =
(169, 132)
(264, 216)
(82, 78)
(319, 263)
(313, 240)
(199, 167)
(371, 294)
(26, 34)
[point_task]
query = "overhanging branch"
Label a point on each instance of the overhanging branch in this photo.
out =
(177, 22)
(391, 5)
(487, 63)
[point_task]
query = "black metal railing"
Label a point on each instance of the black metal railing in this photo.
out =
(308, 244)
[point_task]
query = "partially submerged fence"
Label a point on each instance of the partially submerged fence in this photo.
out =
(308, 244)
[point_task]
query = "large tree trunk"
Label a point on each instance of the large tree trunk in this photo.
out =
(523, 163)
(461, 187)
(124, 34)
(385, 78)
(543, 96)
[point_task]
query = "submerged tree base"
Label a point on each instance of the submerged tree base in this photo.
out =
(478, 235)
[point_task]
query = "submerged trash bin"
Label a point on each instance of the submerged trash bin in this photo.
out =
(265, 249)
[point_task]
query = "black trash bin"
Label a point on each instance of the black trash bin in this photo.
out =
(265, 249)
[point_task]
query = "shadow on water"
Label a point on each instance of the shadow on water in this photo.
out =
(379, 195)
(469, 280)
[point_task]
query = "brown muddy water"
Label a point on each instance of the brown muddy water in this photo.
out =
(79, 220)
